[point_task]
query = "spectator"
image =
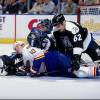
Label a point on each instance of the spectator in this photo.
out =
(37, 6)
(69, 7)
(2, 2)
(63, 4)
(76, 1)
(97, 1)
(48, 7)
(22, 6)
(55, 2)
(81, 2)
(11, 7)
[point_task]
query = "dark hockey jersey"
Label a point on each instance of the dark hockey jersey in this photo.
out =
(11, 63)
(71, 39)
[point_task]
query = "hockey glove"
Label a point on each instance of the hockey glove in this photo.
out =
(76, 62)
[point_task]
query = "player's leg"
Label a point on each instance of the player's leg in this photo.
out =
(9, 62)
(93, 50)
(51, 62)
(91, 71)
(3, 71)
(58, 63)
(64, 63)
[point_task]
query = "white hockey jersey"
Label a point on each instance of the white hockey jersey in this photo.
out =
(31, 53)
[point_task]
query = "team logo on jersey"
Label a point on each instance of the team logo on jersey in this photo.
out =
(18, 60)
(75, 30)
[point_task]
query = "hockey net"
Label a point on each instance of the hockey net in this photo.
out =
(89, 17)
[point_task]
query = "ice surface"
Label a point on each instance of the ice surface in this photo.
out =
(12, 87)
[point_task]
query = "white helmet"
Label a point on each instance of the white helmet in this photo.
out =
(18, 43)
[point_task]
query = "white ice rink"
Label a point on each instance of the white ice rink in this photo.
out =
(46, 87)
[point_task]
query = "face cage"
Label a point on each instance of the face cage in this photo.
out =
(41, 26)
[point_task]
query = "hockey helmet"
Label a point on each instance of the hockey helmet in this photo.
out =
(18, 43)
(58, 19)
(48, 24)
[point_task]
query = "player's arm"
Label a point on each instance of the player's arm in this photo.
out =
(77, 51)
(3, 67)
(29, 68)
(32, 70)
(34, 38)
(78, 41)
(46, 44)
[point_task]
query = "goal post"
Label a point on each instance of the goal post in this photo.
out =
(89, 17)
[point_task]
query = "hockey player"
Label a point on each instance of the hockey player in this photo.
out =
(38, 61)
(9, 64)
(38, 37)
(72, 38)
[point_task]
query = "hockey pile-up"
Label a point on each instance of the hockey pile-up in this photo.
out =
(54, 48)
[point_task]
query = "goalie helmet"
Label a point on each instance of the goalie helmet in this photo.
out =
(47, 24)
(18, 43)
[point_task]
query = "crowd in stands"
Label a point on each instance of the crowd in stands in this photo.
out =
(43, 6)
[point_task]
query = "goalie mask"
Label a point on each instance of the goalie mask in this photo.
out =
(45, 26)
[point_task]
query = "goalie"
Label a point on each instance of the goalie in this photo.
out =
(38, 37)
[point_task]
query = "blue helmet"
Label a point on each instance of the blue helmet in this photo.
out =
(48, 24)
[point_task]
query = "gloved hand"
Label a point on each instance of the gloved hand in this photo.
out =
(76, 62)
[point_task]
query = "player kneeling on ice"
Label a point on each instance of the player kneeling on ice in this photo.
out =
(52, 63)
(9, 64)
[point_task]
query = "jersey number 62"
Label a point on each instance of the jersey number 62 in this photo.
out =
(77, 37)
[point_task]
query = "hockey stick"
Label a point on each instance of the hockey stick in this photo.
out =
(48, 73)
